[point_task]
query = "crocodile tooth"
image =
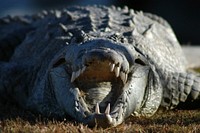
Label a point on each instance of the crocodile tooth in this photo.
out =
(76, 103)
(126, 76)
(78, 73)
(117, 70)
(64, 28)
(75, 91)
(120, 111)
(77, 109)
(112, 66)
(73, 76)
(97, 109)
(123, 77)
(110, 119)
(107, 111)
(83, 69)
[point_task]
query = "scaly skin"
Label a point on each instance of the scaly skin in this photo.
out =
(96, 64)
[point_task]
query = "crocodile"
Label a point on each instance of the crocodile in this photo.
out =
(96, 64)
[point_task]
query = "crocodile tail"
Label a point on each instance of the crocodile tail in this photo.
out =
(179, 88)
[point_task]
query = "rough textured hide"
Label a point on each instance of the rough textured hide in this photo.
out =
(96, 64)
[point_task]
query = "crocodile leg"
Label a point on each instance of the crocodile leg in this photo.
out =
(10, 77)
(179, 88)
(4, 82)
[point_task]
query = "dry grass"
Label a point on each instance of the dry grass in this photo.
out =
(173, 121)
(14, 119)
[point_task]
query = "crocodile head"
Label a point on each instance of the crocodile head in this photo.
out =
(100, 82)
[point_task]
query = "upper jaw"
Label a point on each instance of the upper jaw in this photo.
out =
(117, 62)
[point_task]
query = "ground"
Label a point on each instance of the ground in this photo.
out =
(14, 119)
(167, 121)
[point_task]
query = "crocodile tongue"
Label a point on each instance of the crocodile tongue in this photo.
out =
(101, 93)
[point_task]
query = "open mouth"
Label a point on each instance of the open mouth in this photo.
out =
(101, 78)
(102, 87)
(101, 81)
(100, 84)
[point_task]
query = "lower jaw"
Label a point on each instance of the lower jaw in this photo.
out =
(69, 99)
(130, 101)
(114, 117)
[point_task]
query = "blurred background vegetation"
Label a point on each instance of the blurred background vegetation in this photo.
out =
(183, 15)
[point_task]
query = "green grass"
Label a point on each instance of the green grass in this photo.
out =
(14, 119)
